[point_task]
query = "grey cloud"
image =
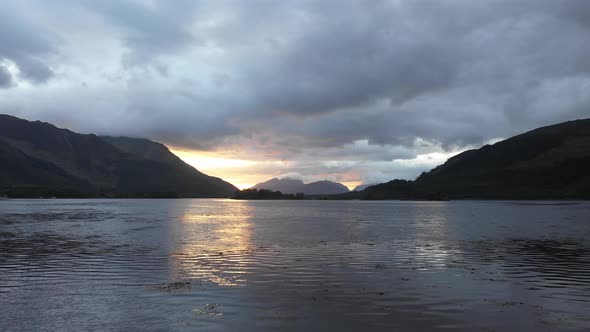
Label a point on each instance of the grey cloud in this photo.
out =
(463, 78)
(5, 77)
(578, 10)
(34, 70)
(149, 29)
(26, 45)
(353, 58)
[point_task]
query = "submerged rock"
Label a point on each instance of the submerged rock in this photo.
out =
(177, 285)
(210, 309)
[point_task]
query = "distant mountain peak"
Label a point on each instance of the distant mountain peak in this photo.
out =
(293, 186)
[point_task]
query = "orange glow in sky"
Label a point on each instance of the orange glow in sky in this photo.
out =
(235, 171)
(239, 172)
(244, 173)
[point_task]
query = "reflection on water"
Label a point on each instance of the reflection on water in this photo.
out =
(430, 222)
(185, 265)
(214, 244)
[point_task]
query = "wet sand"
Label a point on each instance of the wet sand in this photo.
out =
(220, 265)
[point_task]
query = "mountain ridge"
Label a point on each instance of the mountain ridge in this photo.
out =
(40, 158)
(293, 186)
(550, 162)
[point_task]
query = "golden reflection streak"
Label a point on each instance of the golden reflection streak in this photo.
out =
(216, 243)
(432, 246)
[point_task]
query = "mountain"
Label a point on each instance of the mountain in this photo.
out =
(292, 186)
(143, 148)
(39, 159)
(172, 174)
(18, 168)
(551, 162)
(325, 187)
(286, 186)
(362, 187)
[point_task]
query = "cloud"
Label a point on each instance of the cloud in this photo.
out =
(148, 29)
(333, 89)
(292, 176)
(34, 70)
(5, 77)
(26, 45)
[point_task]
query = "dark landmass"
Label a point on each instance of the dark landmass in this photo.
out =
(143, 148)
(324, 187)
(282, 185)
(292, 186)
(362, 187)
(547, 163)
(265, 194)
(38, 159)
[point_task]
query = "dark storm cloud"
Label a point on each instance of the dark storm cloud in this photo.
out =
(26, 45)
(34, 70)
(457, 73)
(357, 57)
(340, 81)
(149, 28)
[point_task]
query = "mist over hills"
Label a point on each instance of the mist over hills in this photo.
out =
(39, 159)
(293, 186)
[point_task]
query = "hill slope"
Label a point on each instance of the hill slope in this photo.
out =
(325, 187)
(548, 162)
(38, 158)
(171, 171)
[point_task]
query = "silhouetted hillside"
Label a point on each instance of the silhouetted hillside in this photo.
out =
(287, 186)
(264, 194)
(362, 187)
(39, 159)
(18, 168)
(144, 148)
(171, 169)
(324, 187)
(548, 162)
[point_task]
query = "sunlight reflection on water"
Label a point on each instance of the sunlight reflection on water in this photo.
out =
(213, 244)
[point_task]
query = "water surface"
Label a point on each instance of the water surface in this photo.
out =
(222, 265)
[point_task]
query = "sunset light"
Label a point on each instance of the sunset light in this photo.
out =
(232, 170)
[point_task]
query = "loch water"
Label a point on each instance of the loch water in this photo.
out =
(226, 265)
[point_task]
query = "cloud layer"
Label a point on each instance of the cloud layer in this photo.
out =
(342, 89)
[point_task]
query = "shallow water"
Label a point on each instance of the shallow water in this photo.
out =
(222, 265)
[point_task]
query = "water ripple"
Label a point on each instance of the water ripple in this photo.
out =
(224, 265)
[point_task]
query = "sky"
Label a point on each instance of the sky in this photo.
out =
(350, 91)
